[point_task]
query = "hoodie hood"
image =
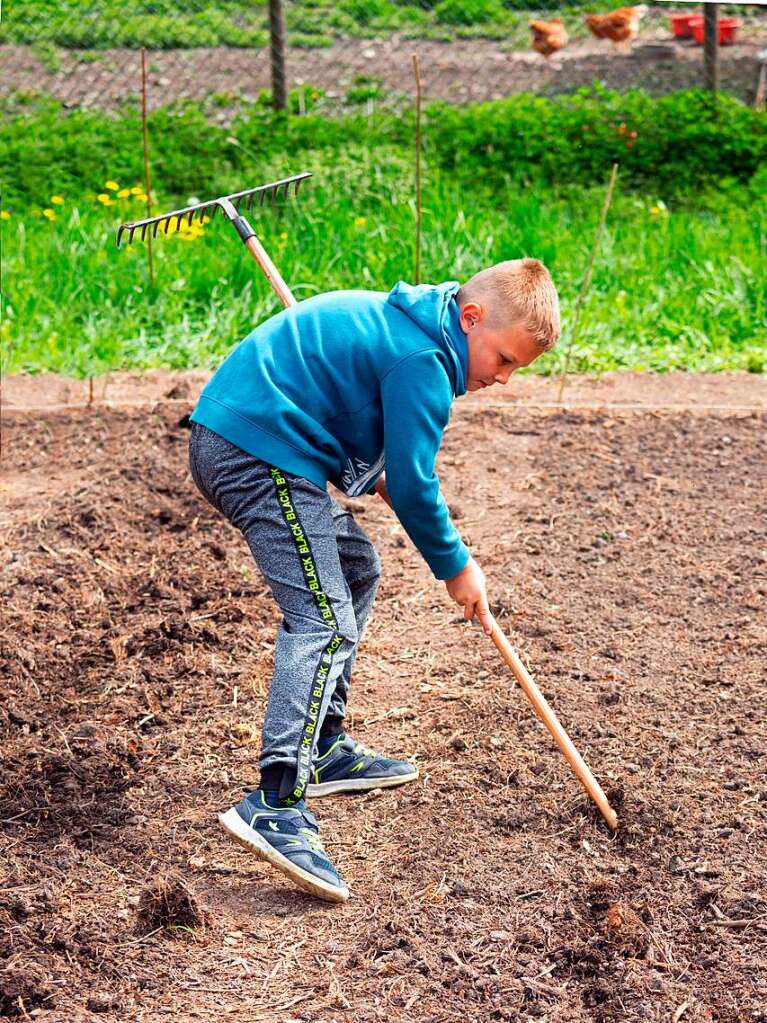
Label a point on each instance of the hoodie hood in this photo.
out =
(434, 309)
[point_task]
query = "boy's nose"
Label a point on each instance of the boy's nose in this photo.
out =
(503, 376)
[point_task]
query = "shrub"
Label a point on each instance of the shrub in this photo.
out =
(671, 145)
(473, 12)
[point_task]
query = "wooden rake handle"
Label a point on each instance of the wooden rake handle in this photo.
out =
(273, 275)
(550, 720)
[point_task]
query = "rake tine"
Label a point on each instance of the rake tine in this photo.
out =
(273, 193)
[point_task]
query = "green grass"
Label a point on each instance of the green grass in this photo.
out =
(679, 290)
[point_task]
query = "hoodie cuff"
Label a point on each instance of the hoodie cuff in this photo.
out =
(446, 566)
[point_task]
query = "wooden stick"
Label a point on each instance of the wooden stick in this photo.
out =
(587, 280)
(147, 182)
(273, 275)
(761, 85)
(549, 718)
(417, 71)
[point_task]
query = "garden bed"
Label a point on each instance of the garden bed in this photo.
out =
(625, 556)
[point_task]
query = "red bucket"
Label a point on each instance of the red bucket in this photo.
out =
(680, 25)
(728, 28)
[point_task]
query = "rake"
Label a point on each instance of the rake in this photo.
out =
(231, 206)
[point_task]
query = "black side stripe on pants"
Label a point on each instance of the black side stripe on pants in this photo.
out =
(292, 794)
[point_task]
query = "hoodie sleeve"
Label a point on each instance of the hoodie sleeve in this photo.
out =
(416, 396)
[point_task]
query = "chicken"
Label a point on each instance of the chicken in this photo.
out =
(548, 36)
(620, 26)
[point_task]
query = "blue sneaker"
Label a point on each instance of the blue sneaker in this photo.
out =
(288, 838)
(348, 766)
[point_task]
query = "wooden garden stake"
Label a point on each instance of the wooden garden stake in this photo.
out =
(147, 183)
(761, 85)
(550, 720)
(417, 72)
(587, 279)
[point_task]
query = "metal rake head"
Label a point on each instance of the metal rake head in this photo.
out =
(237, 200)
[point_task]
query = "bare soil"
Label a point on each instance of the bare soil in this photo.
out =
(626, 556)
(470, 70)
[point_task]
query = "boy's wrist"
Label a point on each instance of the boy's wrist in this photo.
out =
(465, 568)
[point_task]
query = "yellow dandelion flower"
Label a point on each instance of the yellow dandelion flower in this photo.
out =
(137, 190)
(360, 222)
(49, 214)
(204, 219)
(188, 236)
(5, 215)
(123, 193)
(284, 236)
(57, 200)
(112, 186)
(129, 248)
(142, 197)
(104, 198)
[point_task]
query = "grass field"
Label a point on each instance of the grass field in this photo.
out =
(676, 286)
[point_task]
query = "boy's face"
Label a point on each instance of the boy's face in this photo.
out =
(494, 354)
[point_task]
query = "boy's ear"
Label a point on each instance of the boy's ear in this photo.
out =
(472, 313)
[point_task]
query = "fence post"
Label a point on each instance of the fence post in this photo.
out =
(711, 47)
(277, 54)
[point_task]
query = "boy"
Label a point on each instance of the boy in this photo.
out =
(332, 390)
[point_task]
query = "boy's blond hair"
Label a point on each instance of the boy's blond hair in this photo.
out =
(517, 291)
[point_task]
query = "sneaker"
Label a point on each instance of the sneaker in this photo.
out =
(288, 838)
(348, 766)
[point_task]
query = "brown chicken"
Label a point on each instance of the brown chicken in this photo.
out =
(548, 36)
(620, 26)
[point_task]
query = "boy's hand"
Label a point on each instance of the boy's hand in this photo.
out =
(468, 588)
(383, 493)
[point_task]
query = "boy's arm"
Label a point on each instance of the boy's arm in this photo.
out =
(416, 397)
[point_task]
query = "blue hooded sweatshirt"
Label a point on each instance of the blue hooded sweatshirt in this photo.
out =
(348, 383)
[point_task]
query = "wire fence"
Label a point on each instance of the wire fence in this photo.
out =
(352, 51)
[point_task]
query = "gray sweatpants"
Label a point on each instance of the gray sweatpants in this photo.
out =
(323, 572)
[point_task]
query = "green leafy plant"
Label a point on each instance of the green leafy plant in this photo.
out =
(458, 12)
